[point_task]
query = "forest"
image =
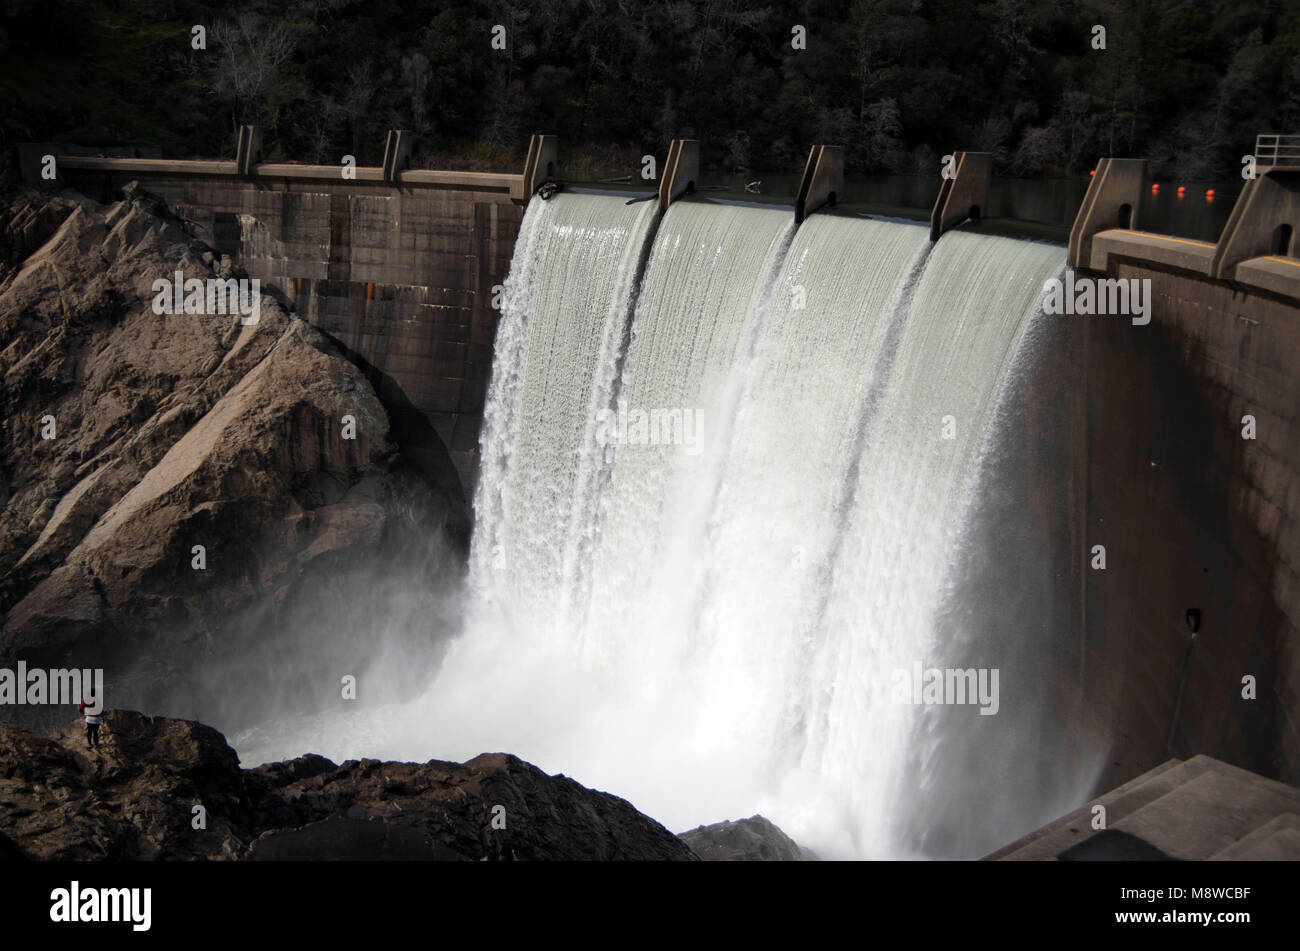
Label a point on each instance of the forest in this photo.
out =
(1183, 83)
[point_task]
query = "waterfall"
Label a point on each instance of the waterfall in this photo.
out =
(781, 498)
(563, 312)
(918, 470)
(706, 295)
(729, 485)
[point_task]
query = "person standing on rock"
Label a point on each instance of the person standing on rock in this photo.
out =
(91, 712)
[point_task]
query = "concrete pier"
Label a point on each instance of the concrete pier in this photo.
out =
(248, 154)
(964, 196)
(540, 166)
(681, 171)
(1263, 222)
(1111, 203)
(397, 154)
(823, 180)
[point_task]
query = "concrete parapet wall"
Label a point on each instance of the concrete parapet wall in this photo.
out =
(1273, 274)
(1255, 250)
(112, 171)
(1185, 254)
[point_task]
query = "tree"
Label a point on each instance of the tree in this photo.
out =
(252, 51)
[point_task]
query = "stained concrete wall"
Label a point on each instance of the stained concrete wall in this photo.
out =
(401, 275)
(1131, 438)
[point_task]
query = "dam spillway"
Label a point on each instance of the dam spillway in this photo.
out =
(907, 534)
(708, 615)
(735, 607)
(566, 302)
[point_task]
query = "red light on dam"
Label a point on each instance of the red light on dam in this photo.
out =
(1209, 196)
(1182, 190)
(1155, 188)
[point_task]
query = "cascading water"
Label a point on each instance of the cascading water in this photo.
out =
(564, 308)
(780, 498)
(705, 540)
(706, 294)
(619, 671)
(904, 534)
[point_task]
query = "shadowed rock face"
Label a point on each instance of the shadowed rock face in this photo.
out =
(173, 431)
(134, 798)
(755, 839)
(32, 220)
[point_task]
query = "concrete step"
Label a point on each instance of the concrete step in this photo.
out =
(1194, 810)
(1124, 801)
(1057, 836)
(1209, 812)
(1277, 840)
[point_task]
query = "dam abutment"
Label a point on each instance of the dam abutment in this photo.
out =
(1183, 458)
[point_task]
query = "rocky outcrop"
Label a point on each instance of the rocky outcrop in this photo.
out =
(188, 499)
(755, 839)
(31, 220)
(142, 795)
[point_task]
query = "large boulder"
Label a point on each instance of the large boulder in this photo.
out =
(137, 797)
(221, 510)
(495, 806)
(755, 839)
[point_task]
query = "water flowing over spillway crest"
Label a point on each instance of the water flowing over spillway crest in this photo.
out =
(728, 471)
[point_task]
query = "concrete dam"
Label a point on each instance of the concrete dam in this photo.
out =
(740, 467)
(402, 277)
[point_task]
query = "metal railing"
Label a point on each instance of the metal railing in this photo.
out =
(1277, 151)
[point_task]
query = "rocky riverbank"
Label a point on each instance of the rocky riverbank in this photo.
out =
(159, 788)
